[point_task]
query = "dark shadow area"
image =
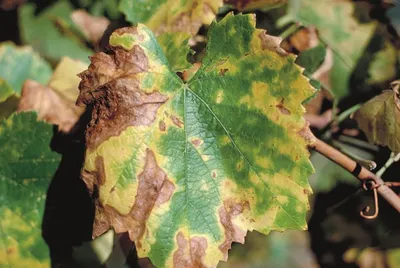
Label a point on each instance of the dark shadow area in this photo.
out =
(69, 212)
(336, 225)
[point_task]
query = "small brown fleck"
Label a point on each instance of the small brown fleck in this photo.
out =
(214, 174)
(306, 133)
(282, 108)
(196, 142)
(223, 71)
(161, 125)
(307, 192)
(196, 246)
(176, 121)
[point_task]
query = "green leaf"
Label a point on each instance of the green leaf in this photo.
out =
(383, 65)
(379, 118)
(27, 165)
(312, 58)
(17, 64)
(255, 4)
(191, 167)
(176, 48)
(43, 34)
(339, 30)
(394, 15)
(171, 15)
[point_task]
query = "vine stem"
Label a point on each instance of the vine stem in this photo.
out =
(350, 165)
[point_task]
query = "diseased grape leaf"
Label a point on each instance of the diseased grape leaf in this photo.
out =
(379, 118)
(176, 49)
(27, 165)
(43, 32)
(188, 168)
(171, 15)
(16, 65)
(339, 30)
(92, 27)
(55, 103)
(246, 5)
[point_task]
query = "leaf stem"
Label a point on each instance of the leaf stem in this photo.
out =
(364, 174)
(289, 31)
(326, 131)
(389, 162)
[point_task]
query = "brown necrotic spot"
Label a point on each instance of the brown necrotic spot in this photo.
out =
(196, 142)
(282, 108)
(112, 88)
(178, 122)
(154, 189)
(161, 125)
(190, 253)
(232, 233)
(96, 178)
(223, 71)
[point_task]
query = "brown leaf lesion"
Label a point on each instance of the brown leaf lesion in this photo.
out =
(112, 88)
(154, 189)
(233, 233)
(50, 106)
(190, 252)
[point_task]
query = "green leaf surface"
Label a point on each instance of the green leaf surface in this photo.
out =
(383, 65)
(339, 30)
(18, 64)
(43, 33)
(109, 8)
(312, 58)
(394, 16)
(171, 15)
(27, 165)
(176, 48)
(247, 5)
(188, 168)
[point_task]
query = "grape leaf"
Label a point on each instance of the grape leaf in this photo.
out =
(379, 118)
(55, 103)
(394, 15)
(43, 34)
(176, 48)
(65, 80)
(311, 59)
(16, 65)
(171, 15)
(246, 5)
(383, 66)
(188, 168)
(339, 30)
(27, 165)
(108, 8)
